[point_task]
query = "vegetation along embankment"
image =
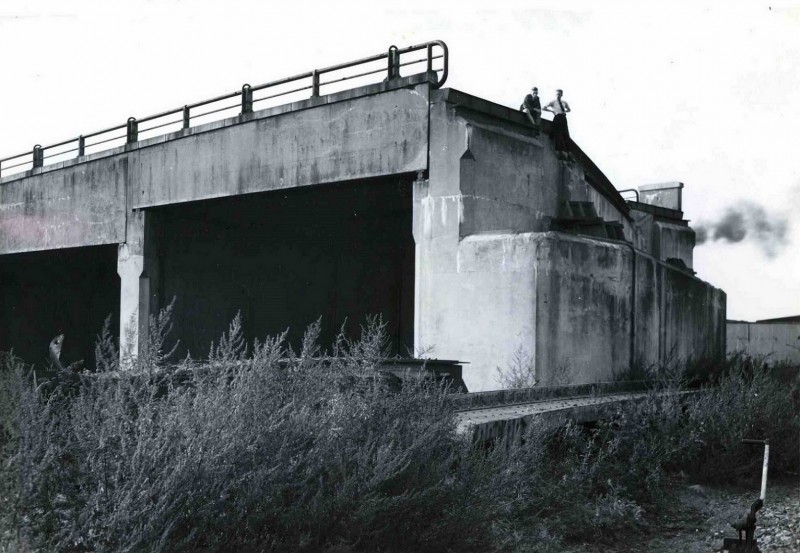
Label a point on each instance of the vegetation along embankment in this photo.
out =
(262, 448)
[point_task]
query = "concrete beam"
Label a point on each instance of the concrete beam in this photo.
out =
(82, 205)
(372, 131)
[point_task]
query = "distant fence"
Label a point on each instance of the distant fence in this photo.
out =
(385, 66)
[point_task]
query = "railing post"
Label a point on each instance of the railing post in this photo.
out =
(133, 130)
(394, 65)
(247, 99)
(38, 156)
(430, 58)
(185, 117)
(315, 83)
(81, 146)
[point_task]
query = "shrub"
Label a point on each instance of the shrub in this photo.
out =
(576, 484)
(519, 373)
(261, 448)
(271, 451)
(9, 444)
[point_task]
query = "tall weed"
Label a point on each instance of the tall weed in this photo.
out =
(271, 451)
(262, 448)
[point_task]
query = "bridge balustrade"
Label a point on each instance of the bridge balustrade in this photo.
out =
(311, 84)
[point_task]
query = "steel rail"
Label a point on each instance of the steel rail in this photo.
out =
(214, 111)
(292, 91)
(16, 164)
(356, 76)
(56, 154)
(106, 140)
(175, 122)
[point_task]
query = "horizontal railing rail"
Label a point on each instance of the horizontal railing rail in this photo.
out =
(240, 102)
(629, 191)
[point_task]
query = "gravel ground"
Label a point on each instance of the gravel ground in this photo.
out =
(778, 523)
(702, 515)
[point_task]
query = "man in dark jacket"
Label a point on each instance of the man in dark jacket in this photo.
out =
(533, 108)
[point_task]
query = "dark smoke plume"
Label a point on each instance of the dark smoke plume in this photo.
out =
(747, 220)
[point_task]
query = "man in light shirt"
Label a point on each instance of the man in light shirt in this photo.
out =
(560, 109)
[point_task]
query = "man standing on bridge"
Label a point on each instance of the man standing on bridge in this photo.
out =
(560, 109)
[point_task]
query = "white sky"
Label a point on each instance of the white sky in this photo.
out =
(704, 93)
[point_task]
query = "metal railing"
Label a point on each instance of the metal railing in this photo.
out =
(335, 78)
(629, 191)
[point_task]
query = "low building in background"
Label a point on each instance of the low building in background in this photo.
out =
(777, 339)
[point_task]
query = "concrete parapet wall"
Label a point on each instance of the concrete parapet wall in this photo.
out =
(674, 241)
(493, 281)
(693, 323)
(583, 308)
(373, 131)
(82, 205)
(572, 305)
(603, 306)
(371, 136)
(779, 341)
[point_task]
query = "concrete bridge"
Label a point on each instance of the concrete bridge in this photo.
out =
(441, 211)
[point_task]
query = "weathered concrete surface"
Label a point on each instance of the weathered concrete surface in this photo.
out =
(694, 314)
(666, 194)
(138, 268)
(82, 205)
(375, 135)
(673, 241)
(577, 307)
(663, 233)
(373, 131)
(578, 187)
(487, 178)
(584, 308)
(778, 341)
(492, 281)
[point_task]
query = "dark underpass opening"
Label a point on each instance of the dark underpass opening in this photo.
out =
(284, 259)
(69, 291)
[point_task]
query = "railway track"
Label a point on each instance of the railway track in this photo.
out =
(506, 413)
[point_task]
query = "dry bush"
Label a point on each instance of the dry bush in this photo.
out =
(271, 451)
(520, 372)
(261, 448)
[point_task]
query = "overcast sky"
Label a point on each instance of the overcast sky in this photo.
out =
(703, 93)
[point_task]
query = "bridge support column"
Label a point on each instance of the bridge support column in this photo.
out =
(138, 268)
